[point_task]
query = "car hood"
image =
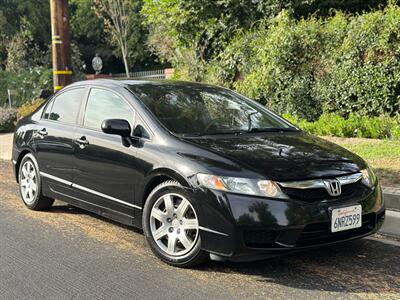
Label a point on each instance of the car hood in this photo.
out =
(283, 156)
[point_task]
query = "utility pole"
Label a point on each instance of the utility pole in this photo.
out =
(61, 44)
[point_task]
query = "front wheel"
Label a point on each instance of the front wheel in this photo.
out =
(171, 226)
(30, 185)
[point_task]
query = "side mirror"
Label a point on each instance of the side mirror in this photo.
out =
(117, 127)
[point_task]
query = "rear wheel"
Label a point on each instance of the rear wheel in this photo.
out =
(30, 185)
(171, 226)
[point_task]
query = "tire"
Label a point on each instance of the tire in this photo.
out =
(30, 185)
(170, 225)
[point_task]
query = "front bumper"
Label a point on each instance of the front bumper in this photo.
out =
(237, 227)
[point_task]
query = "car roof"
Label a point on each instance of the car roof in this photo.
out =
(130, 82)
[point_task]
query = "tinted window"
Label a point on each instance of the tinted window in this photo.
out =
(200, 109)
(104, 105)
(65, 107)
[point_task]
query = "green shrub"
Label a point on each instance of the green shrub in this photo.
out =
(279, 70)
(27, 85)
(381, 127)
(8, 117)
(343, 64)
(364, 68)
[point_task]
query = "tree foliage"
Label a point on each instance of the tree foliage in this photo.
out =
(323, 61)
(88, 34)
(185, 31)
(306, 57)
(191, 33)
(26, 25)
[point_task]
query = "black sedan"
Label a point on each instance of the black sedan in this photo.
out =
(204, 171)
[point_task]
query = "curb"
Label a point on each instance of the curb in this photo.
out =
(392, 197)
(391, 226)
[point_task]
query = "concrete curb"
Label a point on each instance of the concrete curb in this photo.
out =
(6, 146)
(391, 226)
(392, 197)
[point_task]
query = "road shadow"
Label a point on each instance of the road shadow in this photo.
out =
(361, 266)
(64, 208)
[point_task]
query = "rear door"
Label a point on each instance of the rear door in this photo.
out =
(106, 170)
(54, 139)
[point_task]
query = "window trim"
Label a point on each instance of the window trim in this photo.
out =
(54, 98)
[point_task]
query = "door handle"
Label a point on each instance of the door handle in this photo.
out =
(42, 133)
(82, 142)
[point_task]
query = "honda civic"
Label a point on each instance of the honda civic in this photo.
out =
(204, 171)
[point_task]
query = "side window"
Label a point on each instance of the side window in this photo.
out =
(65, 107)
(102, 105)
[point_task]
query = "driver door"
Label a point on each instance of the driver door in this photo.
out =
(105, 168)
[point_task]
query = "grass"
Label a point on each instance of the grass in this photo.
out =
(382, 155)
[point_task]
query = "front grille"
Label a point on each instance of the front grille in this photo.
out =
(312, 234)
(316, 194)
(259, 238)
(320, 233)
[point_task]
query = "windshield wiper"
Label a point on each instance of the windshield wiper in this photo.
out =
(193, 134)
(198, 134)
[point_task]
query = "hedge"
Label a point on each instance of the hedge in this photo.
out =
(382, 127)
(341, 64)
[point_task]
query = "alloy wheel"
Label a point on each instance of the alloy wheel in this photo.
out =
(28, 182)
(174, 225)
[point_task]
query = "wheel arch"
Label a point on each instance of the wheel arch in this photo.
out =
(159, 176)
(21, 155)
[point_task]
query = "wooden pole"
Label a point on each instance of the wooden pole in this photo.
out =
(61, 44)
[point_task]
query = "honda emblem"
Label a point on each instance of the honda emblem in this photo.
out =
(333, 187)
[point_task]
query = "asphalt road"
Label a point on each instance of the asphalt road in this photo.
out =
(67, 253)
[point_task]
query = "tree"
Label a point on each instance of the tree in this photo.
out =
(325, 7)
(115, 14)
(34, 15)
(206, 24)
(87, 32)
(192, 33)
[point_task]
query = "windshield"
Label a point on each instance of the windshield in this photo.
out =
(202, 110)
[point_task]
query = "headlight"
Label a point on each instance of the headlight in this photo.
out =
(265, 188)
(369, 177)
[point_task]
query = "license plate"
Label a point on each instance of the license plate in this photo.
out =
(346, 218)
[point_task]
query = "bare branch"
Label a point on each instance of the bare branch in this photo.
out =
(116, 21)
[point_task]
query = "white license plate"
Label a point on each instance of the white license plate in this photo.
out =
(346, 218)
